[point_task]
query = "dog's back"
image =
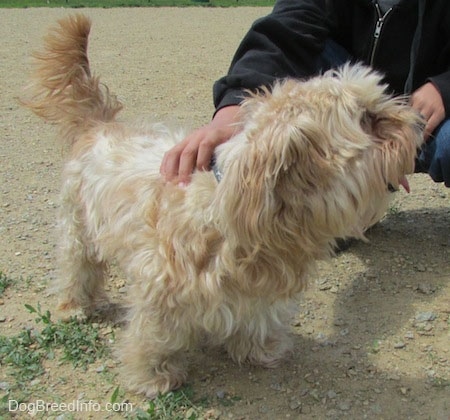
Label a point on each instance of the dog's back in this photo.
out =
(63, 89)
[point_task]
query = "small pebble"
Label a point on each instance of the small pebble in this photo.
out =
(4, 386)
(220, 394)
(421, 268)
(263, 409)
(331, 394)
(295, 405)
(344, 406)
(276, 386)
(425, 288)
(425, 316)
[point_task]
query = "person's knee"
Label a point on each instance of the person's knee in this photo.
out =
(439, 168)
(442, 138)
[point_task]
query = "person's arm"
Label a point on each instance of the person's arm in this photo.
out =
(286, 43)
(432, 99)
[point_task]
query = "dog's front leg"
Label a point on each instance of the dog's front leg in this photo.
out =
(262, 339)
(152, 352)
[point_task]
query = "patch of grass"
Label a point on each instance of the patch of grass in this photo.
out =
(176, 405)
(18, 353)
(79, 341)
(5, 282)
(376, 346)
(394, 208)
(133, 3)
(439, 382)
(75, 341)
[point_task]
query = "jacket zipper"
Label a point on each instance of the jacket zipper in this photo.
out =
(378, 28)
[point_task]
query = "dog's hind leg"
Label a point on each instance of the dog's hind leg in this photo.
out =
(82, 273)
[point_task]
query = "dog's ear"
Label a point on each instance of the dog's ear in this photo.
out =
(397, 134)
(264, 188)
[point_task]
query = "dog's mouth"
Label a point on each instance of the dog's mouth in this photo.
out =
(403, 182)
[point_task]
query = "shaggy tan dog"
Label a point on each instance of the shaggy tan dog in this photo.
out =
(219, 260)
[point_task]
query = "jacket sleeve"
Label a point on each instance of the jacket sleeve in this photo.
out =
(440, 55)
(442, 79)
(285, 43)
(442, 83)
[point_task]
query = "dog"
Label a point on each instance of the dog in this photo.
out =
(223, 261)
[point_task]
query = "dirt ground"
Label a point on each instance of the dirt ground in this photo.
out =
(372, 332)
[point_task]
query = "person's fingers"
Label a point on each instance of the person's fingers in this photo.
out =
(170, 163)
(197, 149)
(188, 160)
(194, 152)
(206, 150)
(427, 101)
(432, 118)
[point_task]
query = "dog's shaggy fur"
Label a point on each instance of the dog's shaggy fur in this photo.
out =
(312, 163)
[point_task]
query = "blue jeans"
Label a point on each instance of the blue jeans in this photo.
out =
(434, 156)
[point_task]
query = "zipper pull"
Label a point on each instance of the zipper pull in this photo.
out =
(377, 31)
(378, 27)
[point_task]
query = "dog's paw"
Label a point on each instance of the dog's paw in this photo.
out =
(268, 353)
(269, 360)
(68, 305)
(158, 385)
(113, 313)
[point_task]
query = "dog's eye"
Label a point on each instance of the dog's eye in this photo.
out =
(391, 188)
(369, 121)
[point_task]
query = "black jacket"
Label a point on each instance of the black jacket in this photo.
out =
(414, 38)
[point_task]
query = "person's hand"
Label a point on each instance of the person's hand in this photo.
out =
(428, 101)
(197, 149)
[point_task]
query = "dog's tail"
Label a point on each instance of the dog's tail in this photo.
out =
(63, 90)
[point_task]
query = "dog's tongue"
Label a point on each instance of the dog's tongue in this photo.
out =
(404, 183)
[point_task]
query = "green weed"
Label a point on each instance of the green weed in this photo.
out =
(394, 209)
(5, 282)
(376, 346)
(439, 382)
(75, 341)
(176, 405)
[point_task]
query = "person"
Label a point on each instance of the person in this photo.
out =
(407, 40)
